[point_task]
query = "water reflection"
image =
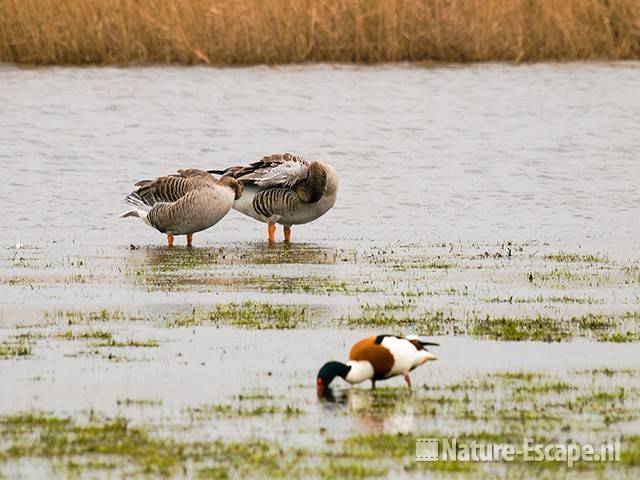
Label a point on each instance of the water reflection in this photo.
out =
(254, 253)
(214, 266)
(387, 410)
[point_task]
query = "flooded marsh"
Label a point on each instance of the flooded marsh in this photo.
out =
(211, 379)
(121, 357)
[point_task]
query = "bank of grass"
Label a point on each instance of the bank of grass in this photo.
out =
(290, 31)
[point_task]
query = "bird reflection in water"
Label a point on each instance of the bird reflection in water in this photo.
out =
(384, 410)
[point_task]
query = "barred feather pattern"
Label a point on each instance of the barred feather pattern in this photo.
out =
(188, 202)
(172, 187)
(195, 211)
(275, 201)
(166, 191)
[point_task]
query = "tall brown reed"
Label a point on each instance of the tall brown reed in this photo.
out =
(288, 31)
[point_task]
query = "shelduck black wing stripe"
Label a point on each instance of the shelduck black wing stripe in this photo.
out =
(380, 338)
(275, 201)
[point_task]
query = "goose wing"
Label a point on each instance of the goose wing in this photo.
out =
(283, 170)
(275, 201)
(172, 188)
(178, 215)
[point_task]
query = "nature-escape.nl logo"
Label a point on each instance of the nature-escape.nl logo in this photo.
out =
(451, 450)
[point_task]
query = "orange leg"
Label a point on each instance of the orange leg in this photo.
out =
(287, 233)
(272, 233)
(189, 239)
(169, 240)
(407, 379)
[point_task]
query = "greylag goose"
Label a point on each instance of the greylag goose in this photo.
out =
(377, 358)
(285, 189)
(182, 204)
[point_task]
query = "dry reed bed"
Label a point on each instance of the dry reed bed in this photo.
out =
(289, 31)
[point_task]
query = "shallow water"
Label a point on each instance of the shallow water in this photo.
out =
(467, 193)
(202, 365)
(473, 153)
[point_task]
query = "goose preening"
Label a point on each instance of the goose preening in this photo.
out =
(285, 189)
(183, 204)
(377, 358)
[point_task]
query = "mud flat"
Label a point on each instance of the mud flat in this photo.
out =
(143, 360)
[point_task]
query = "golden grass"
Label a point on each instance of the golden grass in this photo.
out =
(290, 31)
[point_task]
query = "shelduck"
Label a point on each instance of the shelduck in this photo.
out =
(377, 358)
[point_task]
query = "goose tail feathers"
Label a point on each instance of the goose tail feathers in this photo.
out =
(140, 208)
(137, 201)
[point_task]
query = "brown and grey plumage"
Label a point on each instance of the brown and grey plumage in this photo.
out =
(286, 189)
(182, 204)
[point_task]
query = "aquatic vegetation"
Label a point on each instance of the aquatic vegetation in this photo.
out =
(630, 454)
(134, 449)
(314, 285)
(350, 470)
(29, 337)
(487, 294)
(76, 316)
(14, 349)
(547, 329)
(110, 342)
(426, 322)
(418, 264)
(97, 353)
(567, 299)
(573, 257)
(517, 330)
(389, 306)
(518, 375)
(249, 315)
(256, 395)
(140, 402)
(504, 407)
(609, 372)
(243, 409)
(248, 404)
(90, 334)
(21, 280)
(619, 337)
